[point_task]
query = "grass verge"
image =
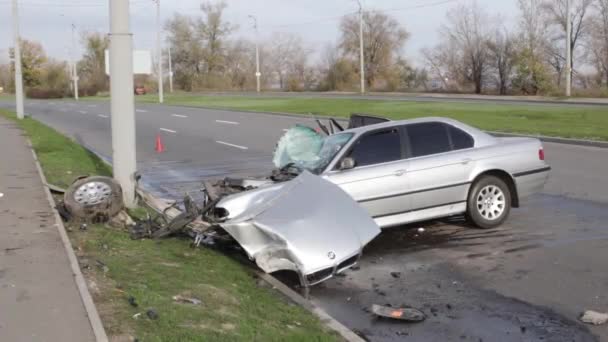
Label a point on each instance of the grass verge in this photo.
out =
(560, 121)
(235, 305)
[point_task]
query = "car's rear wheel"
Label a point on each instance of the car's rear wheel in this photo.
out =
(489, 202)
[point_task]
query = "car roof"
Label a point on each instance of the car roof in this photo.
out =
(480, 137)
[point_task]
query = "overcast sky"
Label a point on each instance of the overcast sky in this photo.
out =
(49, 21)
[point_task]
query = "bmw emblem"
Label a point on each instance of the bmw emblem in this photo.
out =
(331, 255)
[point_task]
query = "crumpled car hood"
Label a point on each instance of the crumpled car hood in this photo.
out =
(306, 225)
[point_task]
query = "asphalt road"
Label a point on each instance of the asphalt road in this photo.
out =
(527, 280)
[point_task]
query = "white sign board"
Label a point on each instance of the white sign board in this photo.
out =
(142, 62)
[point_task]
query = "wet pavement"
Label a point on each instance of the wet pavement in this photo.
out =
(525, 281)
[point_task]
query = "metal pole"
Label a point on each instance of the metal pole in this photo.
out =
(361, 56)
(160, 54)
(122, 101)
(74, 69)
(17, 57)
(170, 71)
(257, 54)
(568, 50)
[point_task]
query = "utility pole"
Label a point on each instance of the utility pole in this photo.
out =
(170, 71)
(121, 100)
(160, 54)
(568, 50)
(74, 69)
(17, 58)
(361, 56)
(257, 53)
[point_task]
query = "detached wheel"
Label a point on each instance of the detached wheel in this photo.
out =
(94, 199)
(489, 202)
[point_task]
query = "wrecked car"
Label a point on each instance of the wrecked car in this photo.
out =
(330, 192)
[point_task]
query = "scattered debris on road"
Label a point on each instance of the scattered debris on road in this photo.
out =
(396, 275)
(152, 314)
(594, 317)
(187, 300)
(132, 301)
(402, 314)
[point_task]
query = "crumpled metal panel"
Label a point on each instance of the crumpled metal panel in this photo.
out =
(307, 224)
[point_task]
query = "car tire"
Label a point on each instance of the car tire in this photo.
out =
(94, 199)
(489, 202)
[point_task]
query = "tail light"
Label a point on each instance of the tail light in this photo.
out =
(541, 154)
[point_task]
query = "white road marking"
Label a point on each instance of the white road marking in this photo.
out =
(82, 111)
(92, 106)
(233, 145)
(103, 116)
(227, 122)
(179, 116)
(52, 103)
(141, 110)
(168, 130)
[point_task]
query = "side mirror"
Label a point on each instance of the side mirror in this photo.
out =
(347, 163)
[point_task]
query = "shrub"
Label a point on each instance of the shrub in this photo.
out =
(42, 93)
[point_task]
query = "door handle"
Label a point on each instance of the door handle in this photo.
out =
(466, 161)
(400, 173)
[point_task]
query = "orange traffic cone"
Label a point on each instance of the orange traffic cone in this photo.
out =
(160, 148)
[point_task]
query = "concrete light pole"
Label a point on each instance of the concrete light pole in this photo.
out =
(17, 58)
(122, 101)
(568, 50)
(74, 68)
(361, 56)
(159, 52)
(257, 53)
(170, 71)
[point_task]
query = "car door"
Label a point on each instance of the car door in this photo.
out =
(439, 161)
(378, 179)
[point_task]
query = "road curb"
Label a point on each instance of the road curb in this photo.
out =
(323, 316)
(83, 290)
(330, 322)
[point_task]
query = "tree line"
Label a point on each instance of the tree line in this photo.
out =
(476, 52)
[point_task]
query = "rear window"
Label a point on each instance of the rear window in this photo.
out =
(428, 138)
(460, 138)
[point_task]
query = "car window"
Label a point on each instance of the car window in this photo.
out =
(460, 138)
(377, 147)
(428, 138)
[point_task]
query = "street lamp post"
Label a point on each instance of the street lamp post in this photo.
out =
(257, 53)
(568, 50)
(159, 53)
(361, 56)
(122, 104)
(17, 59)
(170, 71)
(74, 68)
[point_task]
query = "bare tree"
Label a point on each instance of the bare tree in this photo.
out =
(92, 66)
(338, 72)
(213, 29)
(383, 38)
(289, 56)
(186, 50)
(466, 34)
(531, 69)
(556, 14)
(598, 42)
(33, 59)
(502, 52)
